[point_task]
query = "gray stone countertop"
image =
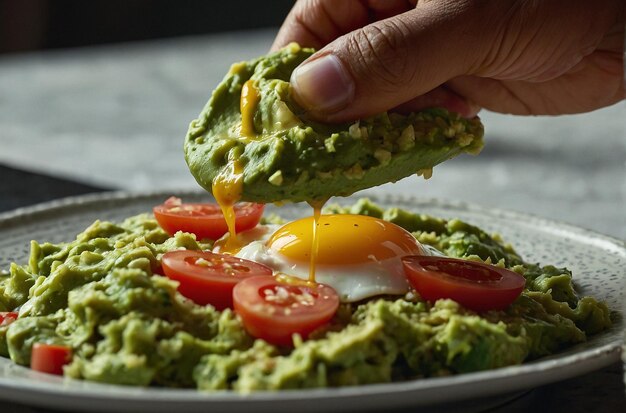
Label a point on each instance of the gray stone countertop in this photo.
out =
(115, 117)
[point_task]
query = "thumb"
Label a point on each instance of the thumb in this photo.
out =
(389, 62)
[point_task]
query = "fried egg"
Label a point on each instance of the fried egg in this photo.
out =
(359, 256)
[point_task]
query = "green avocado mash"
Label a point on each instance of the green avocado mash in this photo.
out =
(99, 294)
(286, 156)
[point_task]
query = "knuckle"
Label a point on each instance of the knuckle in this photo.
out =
(382, 53)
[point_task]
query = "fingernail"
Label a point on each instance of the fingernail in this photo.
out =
(323, 84)
(472, 110)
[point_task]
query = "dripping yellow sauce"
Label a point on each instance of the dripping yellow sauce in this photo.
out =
(228, 185)
(227, 189)
(315, 242)
(247, 105)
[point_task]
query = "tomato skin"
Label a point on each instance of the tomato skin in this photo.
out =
(50, 358)
(212, 284)
(204, 220)
(7, 317)
(276, 322)
(477, 286)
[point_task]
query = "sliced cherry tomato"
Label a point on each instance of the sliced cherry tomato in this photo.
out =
(7, 318)
(50, 358)
(209, 278)
(204, 220)
(477, 286)
(274, 310)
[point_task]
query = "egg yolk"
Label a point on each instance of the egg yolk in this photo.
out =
(248, 103)
(227, 191)
(228, 186)
(344, 240)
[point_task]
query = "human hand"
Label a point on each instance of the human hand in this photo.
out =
(522, 57)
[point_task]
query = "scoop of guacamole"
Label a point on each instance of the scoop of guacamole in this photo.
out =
(287, 156)
(101, 294)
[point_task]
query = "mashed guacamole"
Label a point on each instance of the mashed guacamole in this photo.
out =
(101, 295)
(284, 155)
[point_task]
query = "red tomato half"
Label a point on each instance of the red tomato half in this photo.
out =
(205, 220)
(209, 278)
(477, 286)
(7, 318)
(275, 310)
(50, 358)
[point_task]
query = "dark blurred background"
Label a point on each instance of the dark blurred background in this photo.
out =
(51, 24)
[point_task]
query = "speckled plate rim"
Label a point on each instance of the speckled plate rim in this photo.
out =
(23, 385)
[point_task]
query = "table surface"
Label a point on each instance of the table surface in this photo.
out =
(85, 120)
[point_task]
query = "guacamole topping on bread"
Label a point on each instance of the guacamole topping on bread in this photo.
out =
(252, 135)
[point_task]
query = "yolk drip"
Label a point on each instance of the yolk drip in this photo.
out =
(315, 244)
(227, 189)
(343, 240)
(228, 185)
(247, 105)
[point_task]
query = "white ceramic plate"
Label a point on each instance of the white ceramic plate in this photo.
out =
(597, 261)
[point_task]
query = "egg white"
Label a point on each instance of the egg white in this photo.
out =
(353, 282)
